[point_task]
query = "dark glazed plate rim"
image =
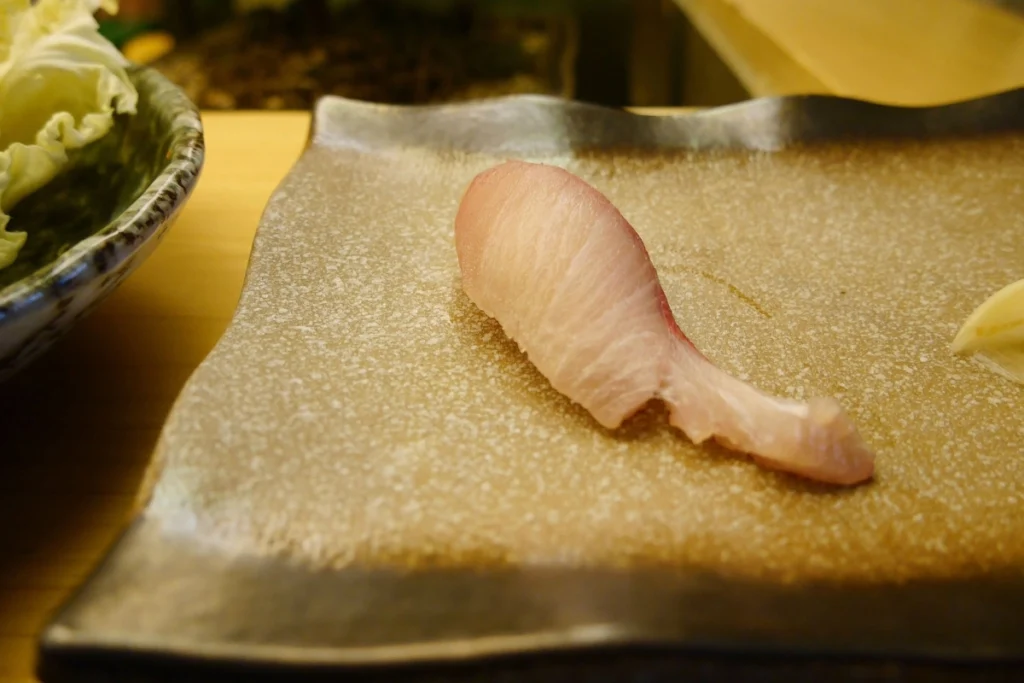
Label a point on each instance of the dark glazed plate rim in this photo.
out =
(284, 614)
(291, 619)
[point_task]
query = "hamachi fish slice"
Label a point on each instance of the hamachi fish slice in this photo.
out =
(566, 276)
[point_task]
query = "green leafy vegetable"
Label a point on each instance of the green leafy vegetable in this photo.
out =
(61, 83)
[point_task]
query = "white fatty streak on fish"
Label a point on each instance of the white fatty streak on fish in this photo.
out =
(621, 334)
(570, 281)
(559, 288)
(604, 347)
(609, 291)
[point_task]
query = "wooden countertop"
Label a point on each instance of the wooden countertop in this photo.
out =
(909, 52)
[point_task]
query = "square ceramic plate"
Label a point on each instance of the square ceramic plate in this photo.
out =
(366, 477)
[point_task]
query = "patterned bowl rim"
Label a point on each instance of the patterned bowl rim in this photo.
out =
(110, 246)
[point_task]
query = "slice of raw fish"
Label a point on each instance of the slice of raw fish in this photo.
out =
(556, 264)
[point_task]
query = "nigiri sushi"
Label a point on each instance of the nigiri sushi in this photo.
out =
(570, 281)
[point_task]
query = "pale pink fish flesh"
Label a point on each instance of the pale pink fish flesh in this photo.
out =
(566, 276)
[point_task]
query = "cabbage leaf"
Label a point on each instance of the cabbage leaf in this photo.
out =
(61, 84)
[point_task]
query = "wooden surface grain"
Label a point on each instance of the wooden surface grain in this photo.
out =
(908, 52)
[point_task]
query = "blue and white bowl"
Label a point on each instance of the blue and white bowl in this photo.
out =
(93, 225)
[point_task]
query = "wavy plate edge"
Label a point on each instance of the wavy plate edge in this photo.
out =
(523, 123)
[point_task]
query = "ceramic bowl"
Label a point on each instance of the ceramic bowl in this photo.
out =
(98, 221)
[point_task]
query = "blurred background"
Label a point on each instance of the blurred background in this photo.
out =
(283, 54)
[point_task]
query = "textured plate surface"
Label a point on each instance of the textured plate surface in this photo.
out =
(97, 221)
(367, 472)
